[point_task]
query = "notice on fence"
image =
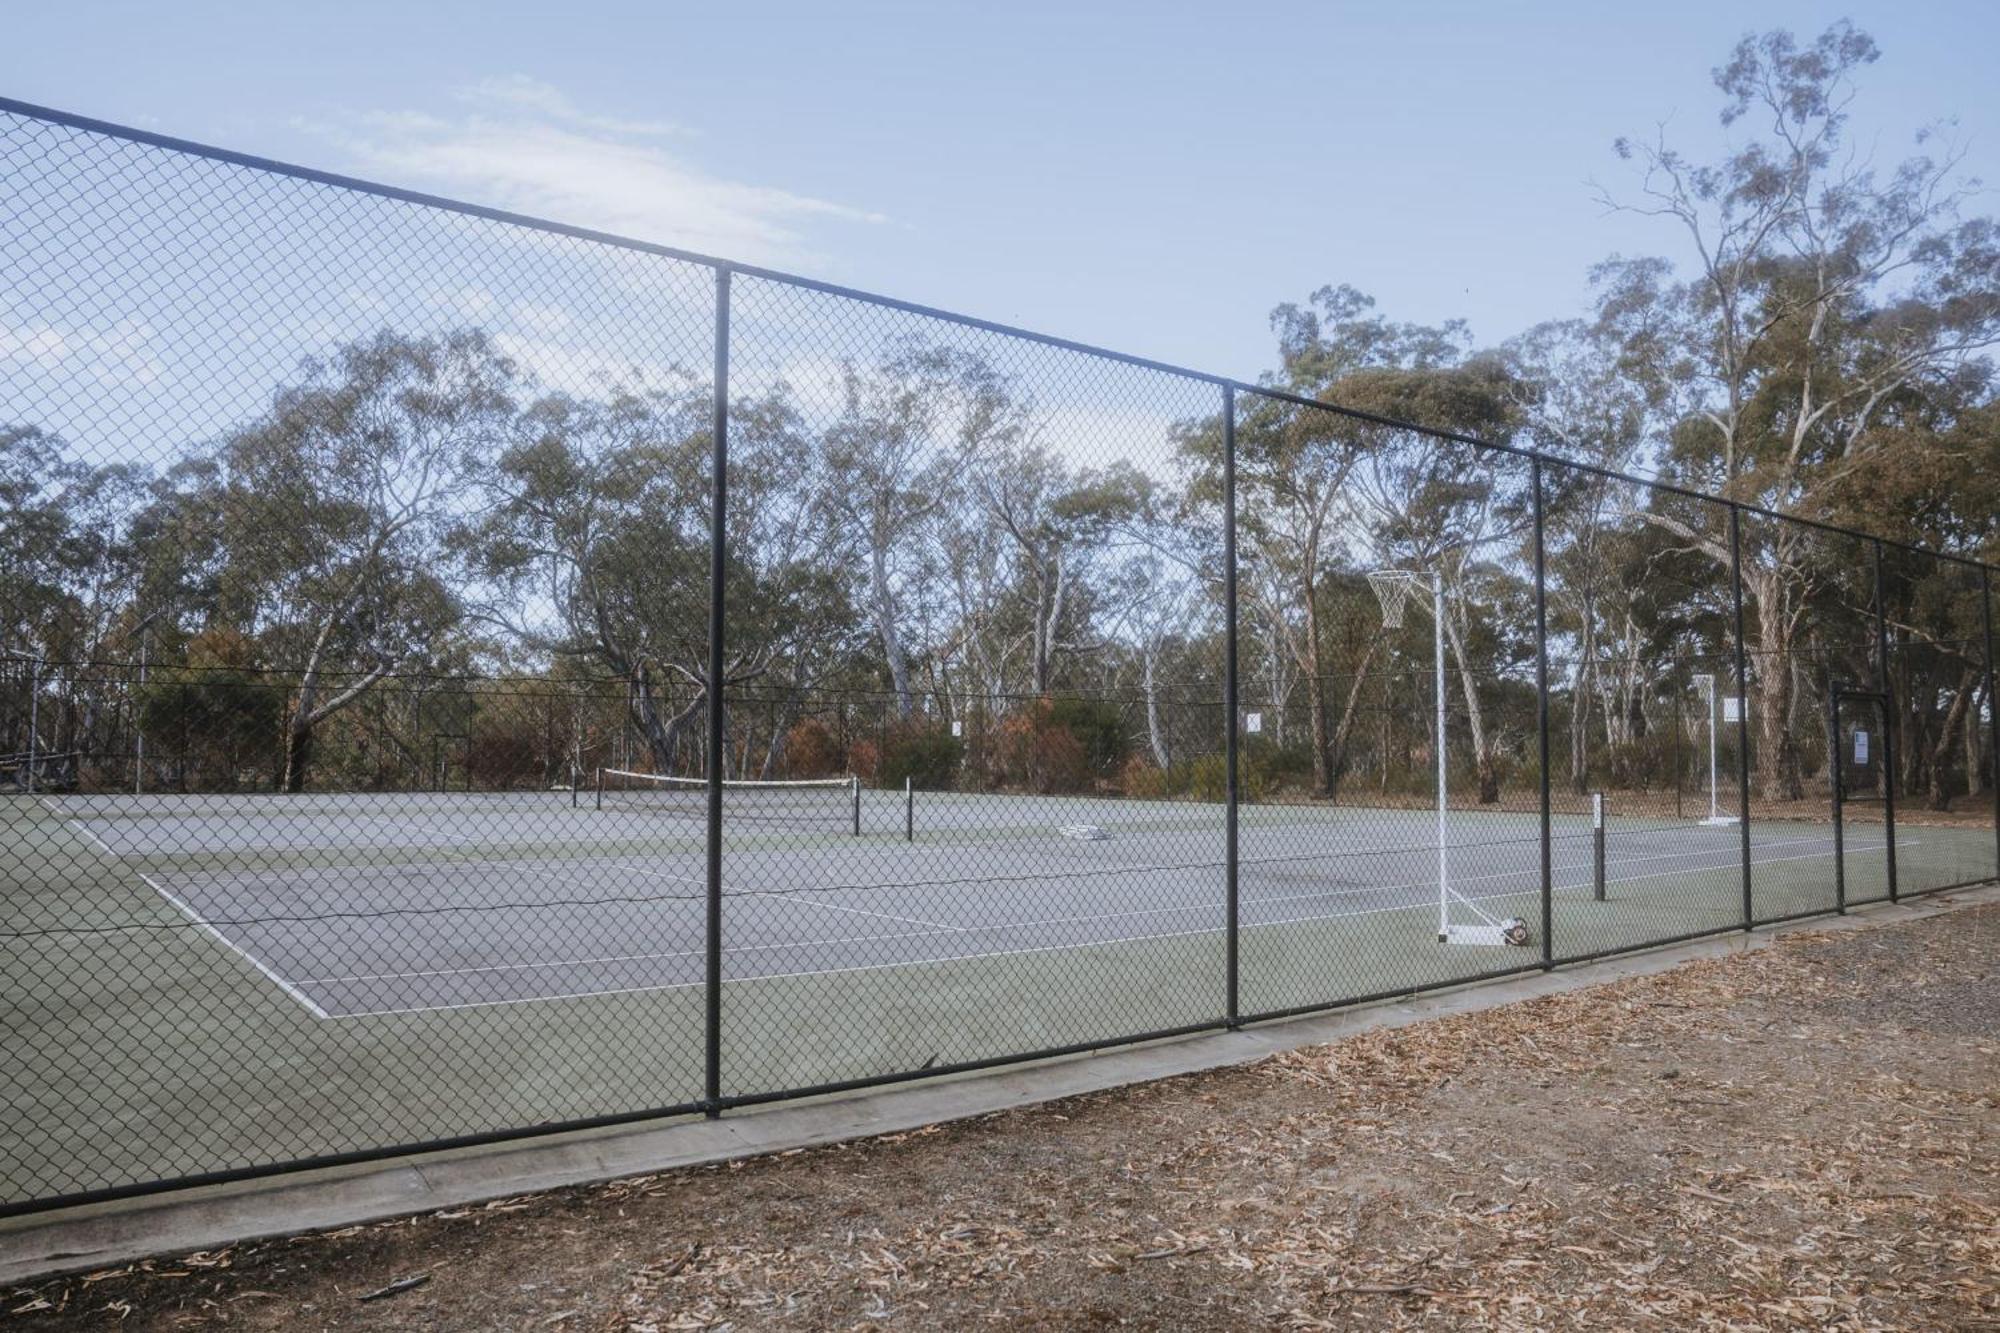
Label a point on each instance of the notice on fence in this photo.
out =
(1860, 747)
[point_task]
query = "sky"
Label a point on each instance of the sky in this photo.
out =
(1149, 177)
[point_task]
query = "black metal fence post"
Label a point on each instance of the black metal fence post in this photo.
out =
(1992, 703)
(1742, 710)
(1888, 723)
(1542, 717)
(1833, 784)
(718, 570)
(1232, 918)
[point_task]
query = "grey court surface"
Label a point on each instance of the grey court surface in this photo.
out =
(371, 905)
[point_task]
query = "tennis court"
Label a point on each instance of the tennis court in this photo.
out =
(371, 905)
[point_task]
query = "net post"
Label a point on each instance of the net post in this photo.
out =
(1888, 723)
(854, 784)
(909, 809)
(1599, 888)
(1542, 718)
(600, 786)
(1742, 711)
(717, 574)
(1232, 903)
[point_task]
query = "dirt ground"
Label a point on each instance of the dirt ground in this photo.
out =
(1804, 1136)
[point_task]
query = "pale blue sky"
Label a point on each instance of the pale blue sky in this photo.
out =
(1152, 177)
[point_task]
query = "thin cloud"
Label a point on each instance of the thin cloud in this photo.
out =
(522, 93)
(524, 146)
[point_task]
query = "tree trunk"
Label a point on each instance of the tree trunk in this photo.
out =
(1155, 732)
(1580, 691)
(298, 748)
(663, 735)
(882, 601)
(1939, 759)
(1778, 746)
(1322, 740)
(1483, 766)
(1337, 760)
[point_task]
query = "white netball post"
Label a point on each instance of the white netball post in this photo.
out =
(1706, 684)
(1393, 588)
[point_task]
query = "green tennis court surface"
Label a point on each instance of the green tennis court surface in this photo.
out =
(326, 972)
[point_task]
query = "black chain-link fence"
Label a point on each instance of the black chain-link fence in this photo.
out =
(370, 564)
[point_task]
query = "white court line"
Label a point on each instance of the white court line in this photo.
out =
(965, 957)
(932, 928)
(195, 917)
(877, 967)
(936, 928)
(858, 911)
(1579, 863)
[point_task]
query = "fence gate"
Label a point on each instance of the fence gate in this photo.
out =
(1863, 813)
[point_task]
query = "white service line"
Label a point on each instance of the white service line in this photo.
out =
(858, 911)
(933, 929)
(195, 917)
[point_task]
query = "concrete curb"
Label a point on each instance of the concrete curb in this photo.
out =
(108, 1234)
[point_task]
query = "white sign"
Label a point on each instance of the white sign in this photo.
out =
(1253, 723)
(1860, 747)
(1732, 708)
(957, 728)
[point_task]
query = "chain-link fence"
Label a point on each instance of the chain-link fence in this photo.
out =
(371, 564)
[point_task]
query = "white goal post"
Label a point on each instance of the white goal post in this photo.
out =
(1394, 589)
(1705, 684)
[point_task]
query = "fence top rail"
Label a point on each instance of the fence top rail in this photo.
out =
(335, 180)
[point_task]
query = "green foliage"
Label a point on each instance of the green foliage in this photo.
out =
(1098, 726)
(1202, 779)
(214, 719)
(925, 753)
(1036, 753)
(811, 750)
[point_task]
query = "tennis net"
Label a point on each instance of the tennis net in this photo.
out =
(832, 804)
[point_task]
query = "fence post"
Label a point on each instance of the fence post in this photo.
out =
(717, 572)
(1742, 710)
(1542, 715)
(1833, 785)
(1232, 904)
(1888, 723)
(1992, 704)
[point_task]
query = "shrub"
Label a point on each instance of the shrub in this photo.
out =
(864, 760)
(1203, 779)
(811, 751)
(1144, 779)
(1036, 752)
(1098, 726)
(925, 753)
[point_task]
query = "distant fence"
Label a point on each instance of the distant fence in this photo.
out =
(373, 562)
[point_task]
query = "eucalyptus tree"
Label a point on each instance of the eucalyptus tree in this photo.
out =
(1819, 297)
(319, 527)
(593, 543)
(1431, 501)
(909, 427)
